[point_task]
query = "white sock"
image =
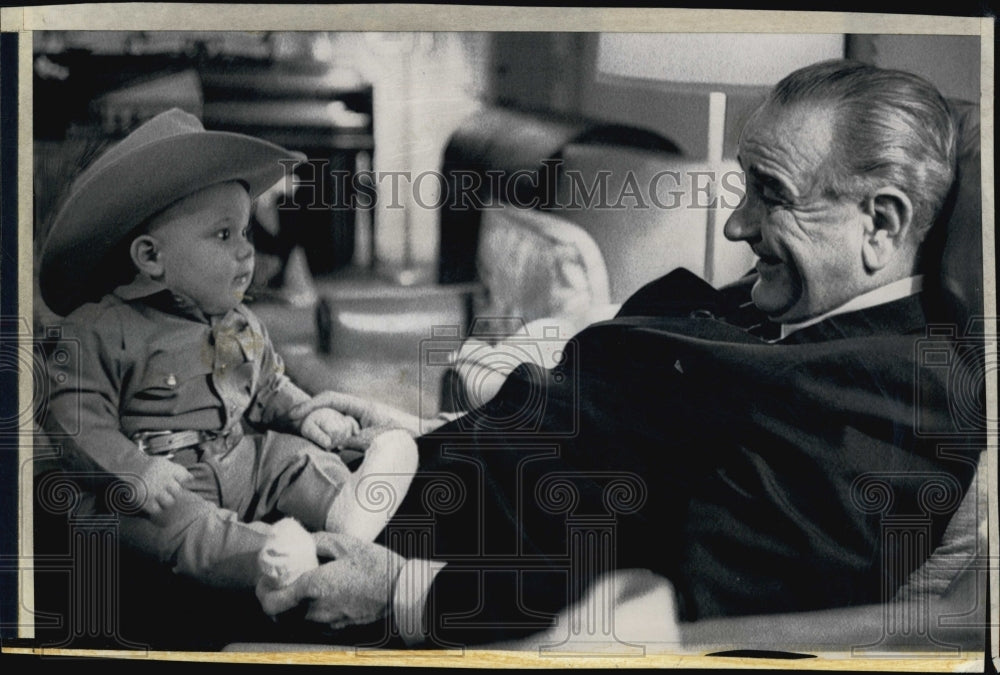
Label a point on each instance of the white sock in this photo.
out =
(372, 495)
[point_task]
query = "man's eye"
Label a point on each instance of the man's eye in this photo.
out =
(770, 199)
(223, 234)
(768, 195)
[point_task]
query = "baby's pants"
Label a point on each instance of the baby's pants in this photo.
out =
(213, 533)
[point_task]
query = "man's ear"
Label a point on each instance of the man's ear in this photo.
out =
(146, 256)
(889, 232)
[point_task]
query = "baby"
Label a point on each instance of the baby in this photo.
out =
(177, 388)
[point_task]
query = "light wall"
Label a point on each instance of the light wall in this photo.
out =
(425, 85)
(703, 58)
(661, 82)
(949, 62)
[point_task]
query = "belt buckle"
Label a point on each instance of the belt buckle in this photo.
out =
(141, 438)
(210, 436)
(227, 439)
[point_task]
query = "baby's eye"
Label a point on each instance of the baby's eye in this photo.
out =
(223, 234)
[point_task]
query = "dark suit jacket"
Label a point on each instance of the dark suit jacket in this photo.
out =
(811, 473)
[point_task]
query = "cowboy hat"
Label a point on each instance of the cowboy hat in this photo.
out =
(165, 159)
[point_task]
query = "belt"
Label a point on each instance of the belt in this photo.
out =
(168, 442)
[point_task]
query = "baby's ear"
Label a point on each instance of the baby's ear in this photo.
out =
(146, 256)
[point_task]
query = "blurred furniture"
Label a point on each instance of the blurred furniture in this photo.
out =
(504, 155)
(543, 279)
(314, 109)
(83, 101)
(604, 210)
(398, 343)
(535, 264)
(631, 190)
(372, 337)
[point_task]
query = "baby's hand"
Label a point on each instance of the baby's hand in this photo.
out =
(327, 428)
(163, 481)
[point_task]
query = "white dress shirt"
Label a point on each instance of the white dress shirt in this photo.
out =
(897, 290)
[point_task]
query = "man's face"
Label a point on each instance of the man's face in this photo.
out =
(807, 240)
(203, 248)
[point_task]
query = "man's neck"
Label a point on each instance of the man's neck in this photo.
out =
(895, 290)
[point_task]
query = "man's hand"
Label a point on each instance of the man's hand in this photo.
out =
(163, 481)
(327, 428)
(355, 588)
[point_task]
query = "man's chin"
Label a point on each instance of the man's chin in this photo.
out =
(778, 306)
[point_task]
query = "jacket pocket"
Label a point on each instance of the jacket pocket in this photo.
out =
(165, 378)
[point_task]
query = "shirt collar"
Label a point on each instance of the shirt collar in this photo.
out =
(140, 287)
(143, 287)
(896, 290)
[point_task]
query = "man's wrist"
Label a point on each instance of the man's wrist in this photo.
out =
(442, 418)
(409, 599)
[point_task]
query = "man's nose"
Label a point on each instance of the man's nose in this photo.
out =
(741, 225)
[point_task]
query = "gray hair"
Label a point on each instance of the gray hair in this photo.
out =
(892, 127)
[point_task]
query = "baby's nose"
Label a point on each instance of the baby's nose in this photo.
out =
(245, 250)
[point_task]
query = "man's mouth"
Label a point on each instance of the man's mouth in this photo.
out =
(767, 260)
(244, 278)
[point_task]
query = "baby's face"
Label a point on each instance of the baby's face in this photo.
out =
(203, 246)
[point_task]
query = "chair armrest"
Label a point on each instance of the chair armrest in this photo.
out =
(935, 623)
(481, 367)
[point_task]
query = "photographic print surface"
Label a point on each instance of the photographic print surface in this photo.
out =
(440, 336)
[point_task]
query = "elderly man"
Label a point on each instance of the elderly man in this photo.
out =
(746, 443)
